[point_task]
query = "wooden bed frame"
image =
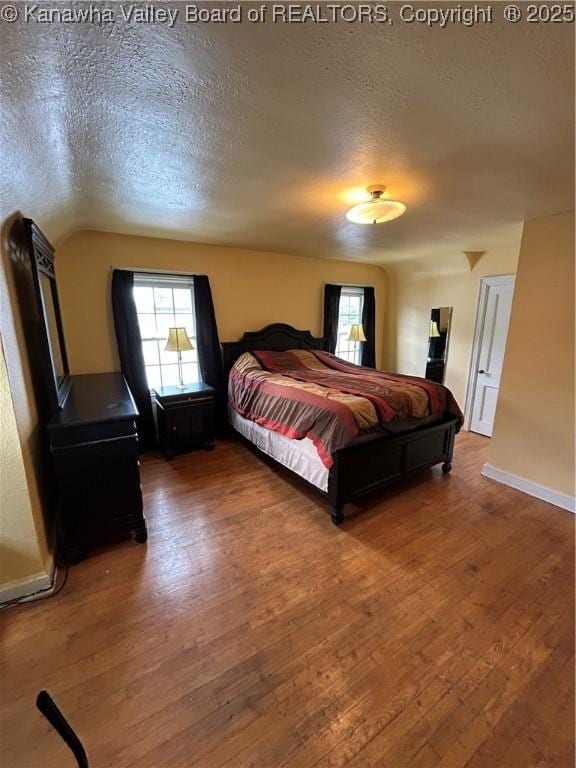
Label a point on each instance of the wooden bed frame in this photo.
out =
(368, 466)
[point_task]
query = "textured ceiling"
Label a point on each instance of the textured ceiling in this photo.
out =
(259, 135)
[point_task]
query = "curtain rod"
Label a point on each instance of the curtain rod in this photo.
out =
(350, 285)
(148, 271)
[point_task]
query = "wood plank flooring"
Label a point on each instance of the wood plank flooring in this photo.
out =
(433, 629)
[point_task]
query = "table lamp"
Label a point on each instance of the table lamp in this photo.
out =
(356, 334)
(179, 342)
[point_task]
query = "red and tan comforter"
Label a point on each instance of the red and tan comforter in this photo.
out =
(314, 394)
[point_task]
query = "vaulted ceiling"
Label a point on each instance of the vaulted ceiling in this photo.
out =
(261, 135)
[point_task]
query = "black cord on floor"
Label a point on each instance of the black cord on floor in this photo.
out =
(45, 593)
(42, 595)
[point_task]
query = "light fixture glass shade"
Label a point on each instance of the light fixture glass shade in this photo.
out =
(356, 333)
(434, 332)
(376, 211)
(178, 340)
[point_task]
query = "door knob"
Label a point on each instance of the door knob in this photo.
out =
(481, 370)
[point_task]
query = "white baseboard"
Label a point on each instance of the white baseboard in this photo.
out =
(28, 587)
(542, 492)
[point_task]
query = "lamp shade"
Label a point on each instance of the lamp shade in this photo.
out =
(434, 332)
(178, 340)
(356, 333)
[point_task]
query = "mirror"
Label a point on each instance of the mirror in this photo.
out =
(46, 289)
(50, 343)
(438, 337)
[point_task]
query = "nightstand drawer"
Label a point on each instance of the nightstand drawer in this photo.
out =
(186, 401)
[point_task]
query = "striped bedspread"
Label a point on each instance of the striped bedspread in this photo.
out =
(314, 394)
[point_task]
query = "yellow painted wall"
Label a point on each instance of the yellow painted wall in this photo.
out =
(416, 288)
(23, 537)
(534, 428)
(250, 289)
(20, 554)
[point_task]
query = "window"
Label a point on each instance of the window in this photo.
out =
(349, 313)
(162, 302)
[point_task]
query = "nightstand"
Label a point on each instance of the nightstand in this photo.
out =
(184, 418)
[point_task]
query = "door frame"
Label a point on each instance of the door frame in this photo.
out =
(485, 284)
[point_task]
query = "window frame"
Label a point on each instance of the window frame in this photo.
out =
(172, 281)
(350, 351)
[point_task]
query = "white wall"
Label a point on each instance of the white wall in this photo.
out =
(415, 288)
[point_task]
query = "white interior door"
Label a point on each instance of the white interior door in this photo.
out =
(495, 304)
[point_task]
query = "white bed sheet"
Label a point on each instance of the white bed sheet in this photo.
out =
(298, 455)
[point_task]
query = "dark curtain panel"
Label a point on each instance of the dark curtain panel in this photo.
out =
(209, 352)
(130, 351)
(331, 310)
(369, 325)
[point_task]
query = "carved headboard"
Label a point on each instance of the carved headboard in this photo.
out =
(277, 337)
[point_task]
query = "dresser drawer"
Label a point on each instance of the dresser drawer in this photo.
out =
(91, 433)
(99, 481)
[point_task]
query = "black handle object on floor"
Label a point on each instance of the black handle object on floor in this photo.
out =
(46, 705)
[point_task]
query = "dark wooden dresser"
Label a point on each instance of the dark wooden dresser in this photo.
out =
(94, 445)
(184, 417)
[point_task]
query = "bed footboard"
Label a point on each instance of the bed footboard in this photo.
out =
(366, 467)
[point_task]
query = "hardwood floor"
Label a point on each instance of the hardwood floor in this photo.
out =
(434, 629)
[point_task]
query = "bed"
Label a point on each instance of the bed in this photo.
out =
(374, 458)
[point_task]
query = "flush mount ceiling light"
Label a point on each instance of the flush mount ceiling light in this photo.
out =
(376, 210)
